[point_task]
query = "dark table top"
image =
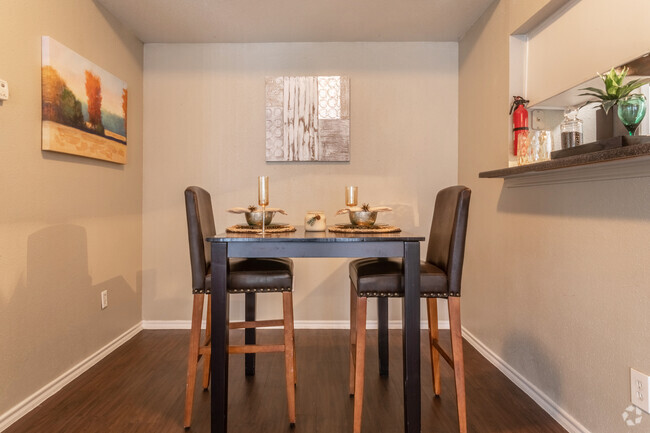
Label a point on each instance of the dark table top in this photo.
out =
(300, 235)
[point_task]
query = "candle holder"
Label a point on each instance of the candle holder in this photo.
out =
(351, 195)
(263, 198)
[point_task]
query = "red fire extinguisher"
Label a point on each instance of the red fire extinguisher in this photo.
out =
(519, 118)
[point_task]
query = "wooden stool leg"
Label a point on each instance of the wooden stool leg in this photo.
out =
(353, 334)
(295, 370)
(193, 357)
(249, 333)
(382, 326)
(432, 310)
(362, 304)
(287, 306)
(206, 357)
(459, 365)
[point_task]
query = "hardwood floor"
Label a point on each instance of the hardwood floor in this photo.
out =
(140, 388)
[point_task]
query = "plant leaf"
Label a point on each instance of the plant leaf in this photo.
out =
(593, 95)
(613, 91)
(610, 82)
(633, 85)
(626, 91)
(609, 104)
(592, 89)
(587, 103)
(595, 92)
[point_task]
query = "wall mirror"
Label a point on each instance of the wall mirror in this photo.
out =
(639, 67)
(548, 114)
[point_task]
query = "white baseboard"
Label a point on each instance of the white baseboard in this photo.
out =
(565, 419)
(31, 402)
(298, 324)
(168, 324)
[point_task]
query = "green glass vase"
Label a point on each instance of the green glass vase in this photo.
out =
(631, 111)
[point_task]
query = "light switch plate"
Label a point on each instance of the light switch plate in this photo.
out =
(4, 90)
(538, 120)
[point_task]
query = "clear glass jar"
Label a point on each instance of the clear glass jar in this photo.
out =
(522, 147)
(571, 129)
(536, 147)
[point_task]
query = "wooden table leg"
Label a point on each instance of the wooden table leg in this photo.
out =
(249, 334)
(219, 390)
(411, 337)
(382, 331)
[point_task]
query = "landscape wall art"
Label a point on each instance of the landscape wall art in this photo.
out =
(308, 118)
(84, 107)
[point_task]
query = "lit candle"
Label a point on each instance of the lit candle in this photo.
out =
(351, 195)
(263, 190)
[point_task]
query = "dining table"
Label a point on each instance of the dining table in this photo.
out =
(301, 243)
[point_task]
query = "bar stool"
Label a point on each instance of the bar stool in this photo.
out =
(440, 277)
(247, 276)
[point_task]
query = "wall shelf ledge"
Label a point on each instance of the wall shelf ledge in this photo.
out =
(618, 163)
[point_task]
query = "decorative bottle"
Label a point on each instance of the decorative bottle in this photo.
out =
(571, 129)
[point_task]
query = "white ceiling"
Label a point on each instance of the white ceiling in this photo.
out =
(196, 21)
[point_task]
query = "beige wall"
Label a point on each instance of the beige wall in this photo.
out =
(69, 226)
(204, 125)
(556, 276)
(583, 47)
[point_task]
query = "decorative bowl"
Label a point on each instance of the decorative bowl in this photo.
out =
(254, 219)
(363, 218)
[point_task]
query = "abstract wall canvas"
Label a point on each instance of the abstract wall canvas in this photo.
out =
(83, 106)
(308, 118)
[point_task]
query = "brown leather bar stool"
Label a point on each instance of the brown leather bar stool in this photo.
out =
(249, 276)
(440, 277)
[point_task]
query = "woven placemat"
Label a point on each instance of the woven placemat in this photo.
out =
(271, 228)
(351, 228)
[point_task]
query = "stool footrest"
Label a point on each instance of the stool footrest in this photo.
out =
(256, 348)
(442, 352)
(256, 324)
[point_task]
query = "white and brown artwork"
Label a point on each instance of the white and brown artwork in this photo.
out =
(308, 118)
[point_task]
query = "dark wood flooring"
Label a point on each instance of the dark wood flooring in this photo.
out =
(140, 388)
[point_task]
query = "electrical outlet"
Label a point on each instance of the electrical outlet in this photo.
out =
(4, 90)
(639, 386)
(104, 299)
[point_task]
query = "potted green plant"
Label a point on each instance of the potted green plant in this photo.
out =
(615, 90)
(607, 124)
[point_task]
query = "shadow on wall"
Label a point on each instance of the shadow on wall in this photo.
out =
(402, 215)
(53, 312)
(624, 199)
(328, 298)
(524, 353)
(81, 160)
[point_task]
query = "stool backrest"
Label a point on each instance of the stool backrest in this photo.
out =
(446, 247)
(200, 225)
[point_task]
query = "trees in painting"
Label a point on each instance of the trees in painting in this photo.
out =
(59, 103)
(125, 96)
(94, 94)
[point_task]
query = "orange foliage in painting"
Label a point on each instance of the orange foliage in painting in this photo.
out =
(125, 96)
(94, 94)
(52, 86)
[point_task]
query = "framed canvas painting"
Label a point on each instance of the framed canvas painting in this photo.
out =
(308, 118)
(83, 106)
